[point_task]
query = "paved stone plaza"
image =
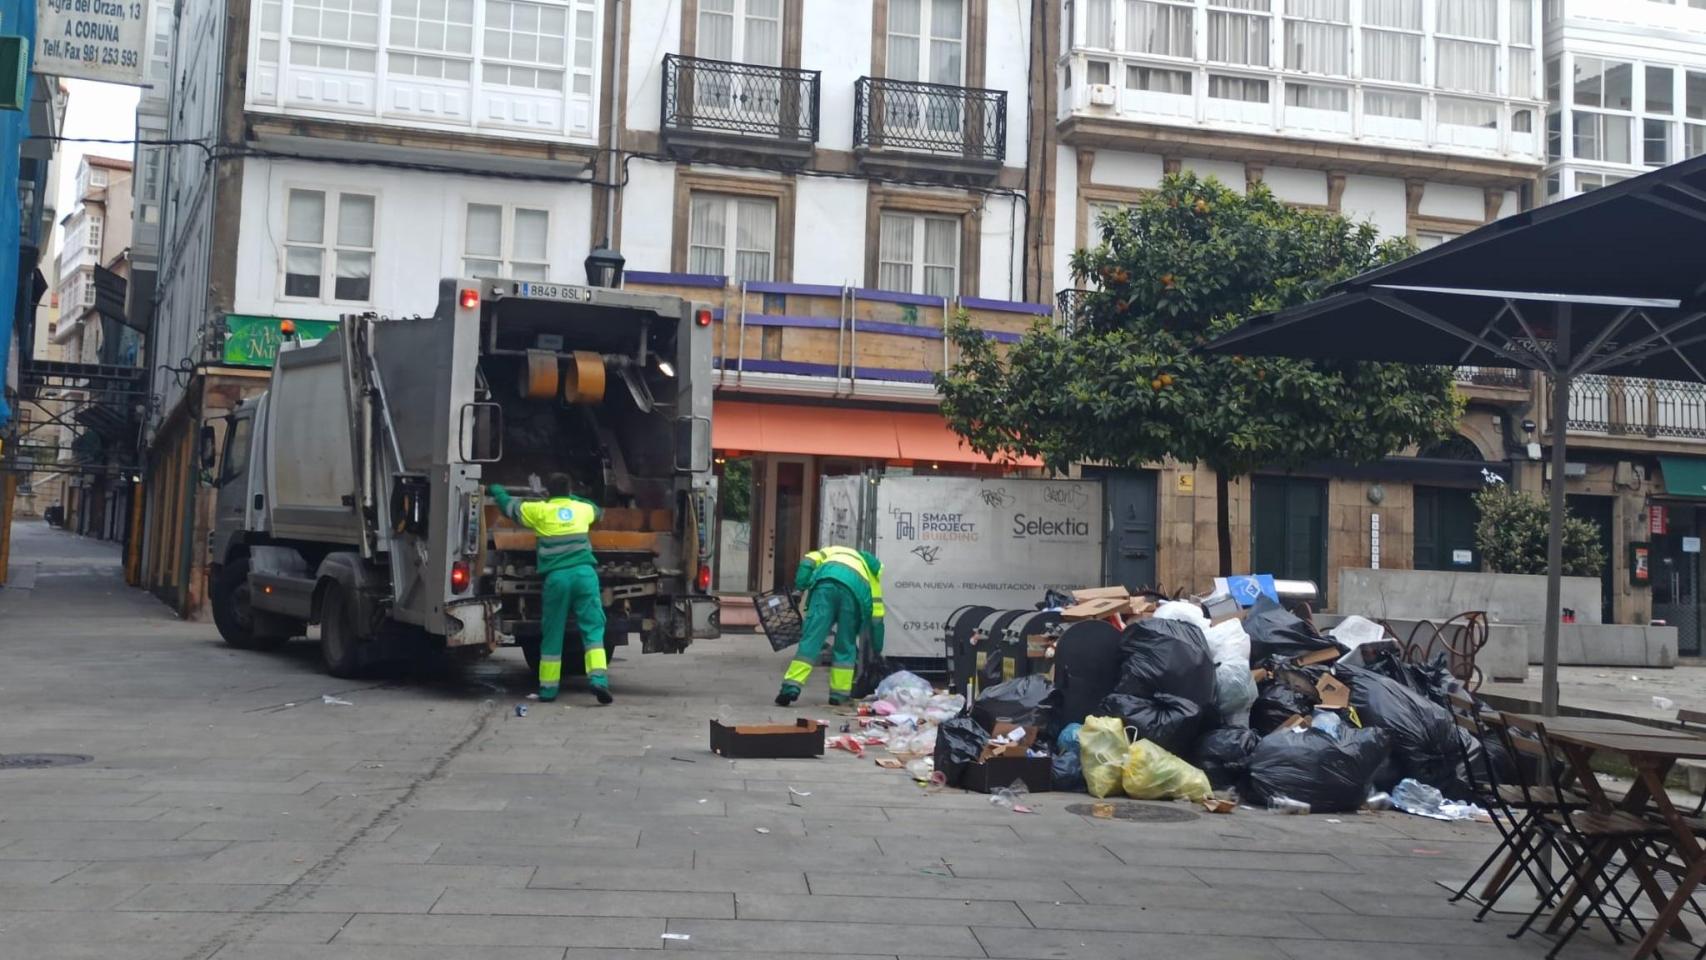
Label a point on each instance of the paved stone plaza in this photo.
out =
(229, 812)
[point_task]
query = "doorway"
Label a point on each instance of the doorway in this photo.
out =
(787, 510)
(1289, 524)
(1445, 529)
(1676, 576)
(1128, 553)
(1598, 510)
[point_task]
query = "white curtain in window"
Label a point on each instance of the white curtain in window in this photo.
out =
(1522, 21)
(1243, 4)
(1247, 89)
(1467, 113)
(1402, 14)
(716, 39)
(947, 41)
(755, 238)
(1159, 81)
(1469, 18)
(1316, 97)
(305, 221)
(1392, 56)
(1318, 47)
(355, 220)
(1238, 38)
(941, 257)
(764, 32)
(894, 252)
(1522, 73)
(705, 234)
(1404, 106)
(1466, 66)
(906, 20)
(1338, 11)
(485, 231)
(532, 228)
(1098, 23)
(1163, 28)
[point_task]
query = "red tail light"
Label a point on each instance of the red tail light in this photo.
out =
(469, 298)
(704, 578)
(459, 576)
(703, 318)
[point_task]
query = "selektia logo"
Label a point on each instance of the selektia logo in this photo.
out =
(1026, 527)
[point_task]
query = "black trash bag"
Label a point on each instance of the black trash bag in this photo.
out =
(1224, 754)
(1067, 772)
(1290, 692)
(1432, 679)
(1166, 656)
(1027, 701)
(1387, 775)
(873, 668)
(959, 742)
(1424, 737)
(1276, 631)
(1055, 600)
(1168, 721)
(1331, 775)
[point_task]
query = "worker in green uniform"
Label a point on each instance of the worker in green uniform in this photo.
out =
(570, 573)
(843, 589)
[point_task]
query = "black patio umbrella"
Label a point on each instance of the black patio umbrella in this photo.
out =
(1610, 282)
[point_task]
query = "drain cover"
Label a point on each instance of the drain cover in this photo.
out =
(1134, 812)
(27, 761)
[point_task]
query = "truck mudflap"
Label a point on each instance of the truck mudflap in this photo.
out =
(705, 616)
(472, 622)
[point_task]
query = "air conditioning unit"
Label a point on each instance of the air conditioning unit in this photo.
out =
(1102, 94)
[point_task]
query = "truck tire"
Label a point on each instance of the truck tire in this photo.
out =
(342, 648)
(238, 623)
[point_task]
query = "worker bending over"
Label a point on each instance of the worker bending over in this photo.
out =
(570, 576)
(843, 589)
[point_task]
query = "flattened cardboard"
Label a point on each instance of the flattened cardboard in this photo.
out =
(1314, 657)
(768, 741)
(1115, 592)
(1094, 609)
(1011, 750)
(1334, 695)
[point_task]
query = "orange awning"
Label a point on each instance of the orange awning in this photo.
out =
(840, 432)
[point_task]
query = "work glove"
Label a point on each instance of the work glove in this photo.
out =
(495, 489)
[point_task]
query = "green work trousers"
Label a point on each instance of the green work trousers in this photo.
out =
(573, 588)
(829, 605)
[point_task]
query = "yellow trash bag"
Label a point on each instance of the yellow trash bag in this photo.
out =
(1152, 773)
(1102, 746)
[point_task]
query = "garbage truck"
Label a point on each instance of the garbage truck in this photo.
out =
(352, 494)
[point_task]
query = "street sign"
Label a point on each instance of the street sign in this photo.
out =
(1690, 544)
(101, 40)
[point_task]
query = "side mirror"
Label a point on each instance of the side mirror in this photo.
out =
(209, 448)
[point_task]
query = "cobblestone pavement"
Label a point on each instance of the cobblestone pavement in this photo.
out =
(230, 812)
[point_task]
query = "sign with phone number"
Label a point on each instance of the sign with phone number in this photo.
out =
(92, 40)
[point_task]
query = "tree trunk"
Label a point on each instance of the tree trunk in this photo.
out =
(1223, 520)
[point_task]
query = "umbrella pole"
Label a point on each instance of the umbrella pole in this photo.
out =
(1555, 528)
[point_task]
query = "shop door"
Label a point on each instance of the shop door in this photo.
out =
(1445, 529)
(1676, 577)
(1598, 511)
(788, 509)
(1128, 552)
(1289, 517)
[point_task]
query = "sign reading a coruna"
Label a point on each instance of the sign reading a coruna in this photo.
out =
(103, 40)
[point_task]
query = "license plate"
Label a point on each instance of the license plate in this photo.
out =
(567, 293)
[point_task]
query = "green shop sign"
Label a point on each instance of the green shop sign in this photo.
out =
(253, 341)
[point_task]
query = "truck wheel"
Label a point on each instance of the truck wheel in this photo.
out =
(236, 620)
(342, 649)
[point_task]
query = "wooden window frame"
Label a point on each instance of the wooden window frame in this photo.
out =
(977, 41)
(687, 183)
(793, 12)
(967, 207)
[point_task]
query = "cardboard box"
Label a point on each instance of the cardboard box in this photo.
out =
(1314, 657)
(1100, 593)
(1334, 695)
(1011, 749)
(1095, 609)
(1037, 773)
(768, 741)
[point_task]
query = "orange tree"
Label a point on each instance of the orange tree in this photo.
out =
(1127, 383)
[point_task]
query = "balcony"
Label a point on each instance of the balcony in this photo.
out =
(715, 107)
(900, 126)
(1661, 410)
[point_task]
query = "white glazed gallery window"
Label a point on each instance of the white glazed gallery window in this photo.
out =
(727, 231)
(1467, 52)
(506, 241)
(1238, 31)
(335, 34)
(328, 251)
(1160, 26)
(1099, 24)
(1428, 239)
(433, 39)
(1694, 110)
(1318, 37)
(1600, 136)
(526, 45)
(918, 254)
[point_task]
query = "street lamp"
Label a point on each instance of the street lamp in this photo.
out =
(604, 267)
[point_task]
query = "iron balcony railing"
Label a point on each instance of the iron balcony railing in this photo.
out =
(1634, 406)
(1068, 308)
(931, 118)
(744, 99)
(1493, 376)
